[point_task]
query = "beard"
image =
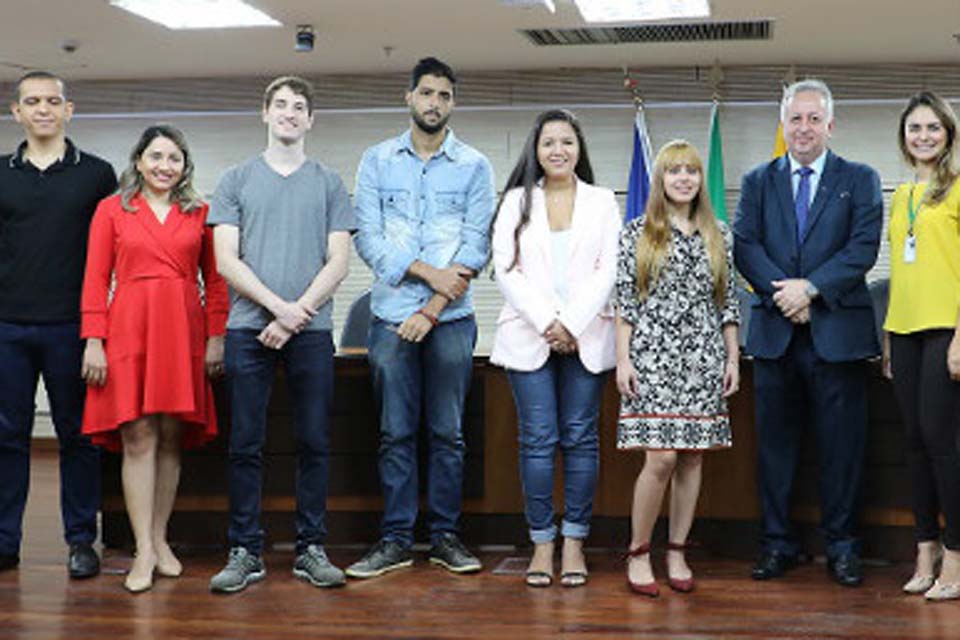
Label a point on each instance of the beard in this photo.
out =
(427, 127)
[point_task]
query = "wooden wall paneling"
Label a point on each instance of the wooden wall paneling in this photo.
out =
(492, 479)
(501, 490)
(618, 469)
(730, 476)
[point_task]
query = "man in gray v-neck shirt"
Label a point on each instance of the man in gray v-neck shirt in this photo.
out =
(283, 222)
(282, 226)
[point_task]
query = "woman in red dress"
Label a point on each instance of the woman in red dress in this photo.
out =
(151, 340)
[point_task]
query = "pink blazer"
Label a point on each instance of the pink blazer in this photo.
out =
(531, 304)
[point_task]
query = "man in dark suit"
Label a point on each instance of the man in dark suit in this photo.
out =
(807, 231)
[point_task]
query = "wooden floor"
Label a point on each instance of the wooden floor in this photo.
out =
(38, 601)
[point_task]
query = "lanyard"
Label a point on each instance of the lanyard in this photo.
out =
(912, 210)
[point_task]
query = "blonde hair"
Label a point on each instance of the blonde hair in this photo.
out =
(654, 243)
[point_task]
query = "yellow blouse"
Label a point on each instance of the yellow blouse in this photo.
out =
(925, 293)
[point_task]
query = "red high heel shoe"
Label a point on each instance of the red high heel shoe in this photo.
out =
(650, 589)
(680, 585)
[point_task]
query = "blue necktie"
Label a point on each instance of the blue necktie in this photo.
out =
(801, 203)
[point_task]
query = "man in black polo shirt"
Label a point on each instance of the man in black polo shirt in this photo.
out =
(49, 190)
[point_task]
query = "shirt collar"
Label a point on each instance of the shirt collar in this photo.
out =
(817, 165)
(448, 148)
(71, 155)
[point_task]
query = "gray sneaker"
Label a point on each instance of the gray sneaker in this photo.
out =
(313, 566)
(242, 568)
(449, 553)
(384, 556)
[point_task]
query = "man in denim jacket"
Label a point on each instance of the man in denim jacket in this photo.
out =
(424, 201)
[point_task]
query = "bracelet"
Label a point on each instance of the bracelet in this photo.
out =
(429, 316)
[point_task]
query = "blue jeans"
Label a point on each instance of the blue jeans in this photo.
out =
(421, 381)
(54, 351)
(559, 403)
(250, 367)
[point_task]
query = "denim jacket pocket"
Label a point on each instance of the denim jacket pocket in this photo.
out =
(451, 203)
(395, 202)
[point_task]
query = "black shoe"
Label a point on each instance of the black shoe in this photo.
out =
(846, 570)
(448, 552)
(9, 562)
(772, 564)
(386, 555)
(83, 561)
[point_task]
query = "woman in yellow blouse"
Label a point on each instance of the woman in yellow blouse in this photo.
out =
(922, 335)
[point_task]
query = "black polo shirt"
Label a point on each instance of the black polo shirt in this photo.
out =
(44, 220)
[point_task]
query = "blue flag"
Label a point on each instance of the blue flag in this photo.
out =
(638, 188)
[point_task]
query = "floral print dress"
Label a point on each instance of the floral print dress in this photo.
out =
(676, 346)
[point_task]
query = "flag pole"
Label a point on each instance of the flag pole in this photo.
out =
(779, 144)
(716, 182)
(638, 180)
(633, 87)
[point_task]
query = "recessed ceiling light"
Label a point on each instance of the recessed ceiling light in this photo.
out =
(198, 14)
(641, 10)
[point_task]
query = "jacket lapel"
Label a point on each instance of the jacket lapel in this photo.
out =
(540, 226)
(580, 219)
(824, 190)
(784, 189)
(161, 234)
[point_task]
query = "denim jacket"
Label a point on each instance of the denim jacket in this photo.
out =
(438, 212)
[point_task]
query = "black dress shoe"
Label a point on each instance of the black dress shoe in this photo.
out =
(846, 570)
(772, 564)
(9, 562)
(83, 561)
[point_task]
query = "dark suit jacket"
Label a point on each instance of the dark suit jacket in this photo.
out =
(838, 248)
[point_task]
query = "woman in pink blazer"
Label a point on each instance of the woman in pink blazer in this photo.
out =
(555, 254)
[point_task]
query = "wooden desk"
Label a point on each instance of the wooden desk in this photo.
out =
(728, 509)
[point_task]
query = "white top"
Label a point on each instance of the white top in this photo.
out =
(560, 252)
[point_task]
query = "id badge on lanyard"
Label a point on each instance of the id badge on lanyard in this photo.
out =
(910, 244)
(910, 249)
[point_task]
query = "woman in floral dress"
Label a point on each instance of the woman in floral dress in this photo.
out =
(677, 353)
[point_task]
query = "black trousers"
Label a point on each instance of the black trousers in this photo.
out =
(794, 392)
(930, 405)
(54, 351)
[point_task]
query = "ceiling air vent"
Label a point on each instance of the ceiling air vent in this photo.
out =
(676, 32)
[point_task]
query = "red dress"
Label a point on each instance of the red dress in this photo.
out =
(154, 326)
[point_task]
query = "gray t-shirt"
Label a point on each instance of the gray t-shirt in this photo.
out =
(284, 222)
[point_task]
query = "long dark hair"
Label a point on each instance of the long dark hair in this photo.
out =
(131, 182)
(945, 171)
(528, 171)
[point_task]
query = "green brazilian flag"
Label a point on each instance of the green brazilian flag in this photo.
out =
(716, 186)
